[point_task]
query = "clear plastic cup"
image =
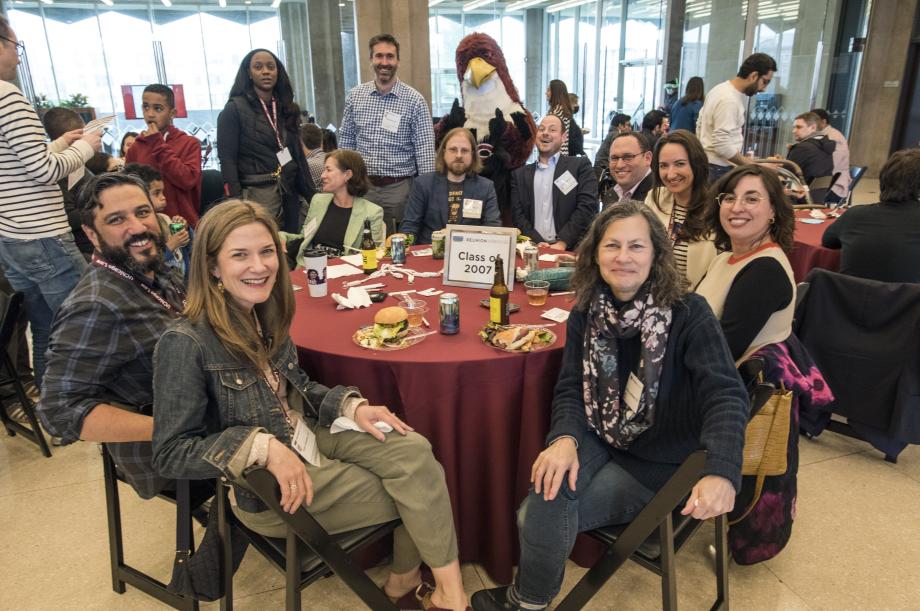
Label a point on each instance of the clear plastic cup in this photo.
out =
(537, 291)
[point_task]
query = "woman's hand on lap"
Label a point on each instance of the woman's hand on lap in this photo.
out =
(366, 416)
(291, 473)
(712, 496)
(551, 466)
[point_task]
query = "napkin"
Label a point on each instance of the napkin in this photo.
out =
(347, 424)
(424, 252)
(550, 258)
(357, 298)
(341, 270)
(353, 260)
(556, 314)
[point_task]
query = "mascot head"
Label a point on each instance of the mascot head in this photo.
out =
(479, 58)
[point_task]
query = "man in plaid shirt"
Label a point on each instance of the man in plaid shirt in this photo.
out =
(389, 123)
(99, 379)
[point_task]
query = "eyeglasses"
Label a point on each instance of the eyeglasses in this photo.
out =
(20, 48)
(628, 157)
(748, 201)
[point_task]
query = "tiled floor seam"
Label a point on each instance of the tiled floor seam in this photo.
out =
(32, 491)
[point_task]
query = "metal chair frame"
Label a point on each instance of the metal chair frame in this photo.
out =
(11, 306)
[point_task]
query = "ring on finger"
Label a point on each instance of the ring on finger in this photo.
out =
(293, 487)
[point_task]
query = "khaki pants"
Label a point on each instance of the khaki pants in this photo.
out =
(392, 198)
(362, 482)
(267, 195)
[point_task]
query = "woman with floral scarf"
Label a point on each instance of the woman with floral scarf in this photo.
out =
(646, 379)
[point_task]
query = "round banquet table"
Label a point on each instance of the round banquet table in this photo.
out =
(807, 252)
(485, 412)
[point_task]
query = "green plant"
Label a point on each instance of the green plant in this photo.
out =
(42, 102)
(77, 100)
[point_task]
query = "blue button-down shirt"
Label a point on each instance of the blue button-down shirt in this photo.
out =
(407, 152)
(543, 220)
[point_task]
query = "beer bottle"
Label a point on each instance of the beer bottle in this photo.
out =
(498, 296)
(368, 250)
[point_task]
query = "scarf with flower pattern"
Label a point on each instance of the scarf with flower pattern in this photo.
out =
(607, 412)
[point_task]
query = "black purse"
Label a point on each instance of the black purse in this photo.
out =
(200, 575)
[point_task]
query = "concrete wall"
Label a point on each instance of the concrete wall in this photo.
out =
(407, 20)
(885, 60)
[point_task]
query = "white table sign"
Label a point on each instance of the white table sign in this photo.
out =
(470, 251)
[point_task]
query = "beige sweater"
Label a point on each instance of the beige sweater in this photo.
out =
(699, 254)
(719, 279)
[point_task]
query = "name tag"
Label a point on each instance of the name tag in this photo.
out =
(304, 441)
(633, 392)
(566, 182)
(390, 122)
(472, 208)
(284, 156)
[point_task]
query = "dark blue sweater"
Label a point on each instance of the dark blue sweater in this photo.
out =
(701, 401)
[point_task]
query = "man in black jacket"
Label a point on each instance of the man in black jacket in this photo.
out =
(629, 173)
(813, 152)
(554, 199)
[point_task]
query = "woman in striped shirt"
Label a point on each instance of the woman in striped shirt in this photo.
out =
(680, 173)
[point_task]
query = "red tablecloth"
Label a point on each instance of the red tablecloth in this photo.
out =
(485, 412)
(807, 252)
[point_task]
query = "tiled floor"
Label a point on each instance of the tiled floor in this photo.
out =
(855, 544)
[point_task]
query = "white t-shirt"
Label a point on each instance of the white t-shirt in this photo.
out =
(720, 125)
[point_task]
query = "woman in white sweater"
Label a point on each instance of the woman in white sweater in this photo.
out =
(680, 199)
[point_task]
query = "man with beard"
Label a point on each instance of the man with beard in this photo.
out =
(720, 125)
(98, 383)
(389, 123)
(454, 193)
(554, 199)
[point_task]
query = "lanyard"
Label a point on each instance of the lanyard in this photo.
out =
(272, 120)
(122, 273)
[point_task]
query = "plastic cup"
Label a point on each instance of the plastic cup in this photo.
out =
(314, 265)
(415, 312)
(537, 291)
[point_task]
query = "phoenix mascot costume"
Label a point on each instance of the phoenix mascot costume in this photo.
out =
(492, 110)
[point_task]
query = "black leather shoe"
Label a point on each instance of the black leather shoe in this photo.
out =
(495, 599)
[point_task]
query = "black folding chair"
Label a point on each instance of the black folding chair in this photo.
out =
(655, 536)
(856, 174)
(124, 574)
(11, 307)
(308, 553)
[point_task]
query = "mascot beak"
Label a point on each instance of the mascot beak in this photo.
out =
(478, 70)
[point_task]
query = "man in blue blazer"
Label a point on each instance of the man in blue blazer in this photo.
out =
(554, 199)
(454, 193)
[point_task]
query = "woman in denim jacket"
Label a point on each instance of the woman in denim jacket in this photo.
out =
(229, 394)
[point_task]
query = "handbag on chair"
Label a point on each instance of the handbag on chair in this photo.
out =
(765, 443)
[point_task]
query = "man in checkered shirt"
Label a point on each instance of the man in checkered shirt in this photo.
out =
(389, 123)
(99, 381)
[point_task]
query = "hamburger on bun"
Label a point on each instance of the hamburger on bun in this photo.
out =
(390, 324)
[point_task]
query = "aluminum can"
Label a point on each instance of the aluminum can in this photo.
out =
(449, 309)
(176, 227)
(531, 259)
(398, 250)
(437, 243)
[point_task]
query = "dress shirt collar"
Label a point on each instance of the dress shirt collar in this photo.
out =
(395, 89)
(624, 195)
(552, 161)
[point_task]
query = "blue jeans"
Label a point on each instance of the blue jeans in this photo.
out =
(718, 171)
(605, 494)
(44, 271)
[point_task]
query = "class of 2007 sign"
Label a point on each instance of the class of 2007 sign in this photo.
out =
(470, 252)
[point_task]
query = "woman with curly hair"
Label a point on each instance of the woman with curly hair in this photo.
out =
(646, 380)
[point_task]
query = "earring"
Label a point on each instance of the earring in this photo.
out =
(220, 286)
(773, 220)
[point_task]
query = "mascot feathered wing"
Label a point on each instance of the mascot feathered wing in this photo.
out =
(492, 110)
